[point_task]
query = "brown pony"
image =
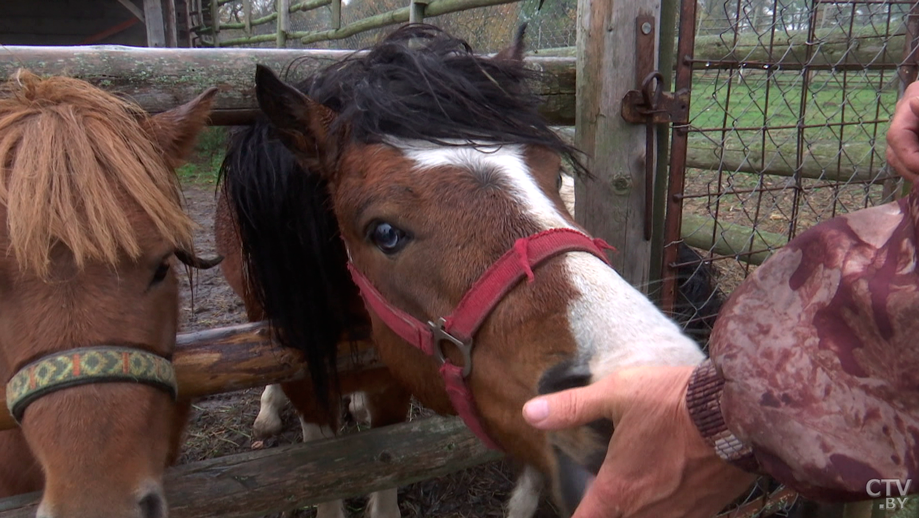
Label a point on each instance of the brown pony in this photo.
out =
(426, 172)
(376, 398)
(92, 223)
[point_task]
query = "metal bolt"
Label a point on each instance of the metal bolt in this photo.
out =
(646, 28)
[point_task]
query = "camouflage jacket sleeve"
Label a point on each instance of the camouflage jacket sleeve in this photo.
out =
(814, 370)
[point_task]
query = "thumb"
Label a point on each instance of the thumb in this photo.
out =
(570, 408)
(914, 105)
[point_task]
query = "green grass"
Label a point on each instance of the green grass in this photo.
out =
(205, 160)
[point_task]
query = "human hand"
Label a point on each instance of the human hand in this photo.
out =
(657, 464)
(903, 135)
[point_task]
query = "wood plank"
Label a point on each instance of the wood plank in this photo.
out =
(132, 7)
(241, 357)
(161, 79)
(270, 481)
(611, 205)
(153, 18)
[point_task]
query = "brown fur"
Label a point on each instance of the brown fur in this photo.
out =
(90, 211)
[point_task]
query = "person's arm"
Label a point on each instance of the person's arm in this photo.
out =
(813, 379)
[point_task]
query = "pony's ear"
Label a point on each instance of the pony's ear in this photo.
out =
(516, 49)
(302, 123)
(177, 129)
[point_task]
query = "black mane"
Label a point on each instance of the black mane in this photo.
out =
(422, 83)
(293, 258)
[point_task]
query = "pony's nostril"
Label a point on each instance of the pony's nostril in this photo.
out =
(152, 506)
(565, 375)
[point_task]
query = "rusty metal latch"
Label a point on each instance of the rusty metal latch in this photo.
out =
(650, 105)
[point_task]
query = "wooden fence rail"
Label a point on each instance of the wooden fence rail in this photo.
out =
(241, 357)
(289, 477)
(160, 79)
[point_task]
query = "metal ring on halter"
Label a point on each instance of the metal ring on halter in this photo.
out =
(440, 335)
(86, 365)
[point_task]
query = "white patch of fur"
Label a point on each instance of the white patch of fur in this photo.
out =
(525, 499)
(616, 326)
(507, 160)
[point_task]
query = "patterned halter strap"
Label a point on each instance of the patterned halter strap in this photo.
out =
(100, 364)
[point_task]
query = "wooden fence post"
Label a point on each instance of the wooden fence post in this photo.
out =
(283, 22)
(416, 13)
(336, 14)
(215, 21)
(172, 31)
(153, 16)
(247, 16)
(612, 205)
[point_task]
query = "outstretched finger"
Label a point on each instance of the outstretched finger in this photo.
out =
(572, 407)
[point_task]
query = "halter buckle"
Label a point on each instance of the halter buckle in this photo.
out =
(439, 334)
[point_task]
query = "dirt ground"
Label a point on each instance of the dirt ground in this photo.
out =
(221, 425)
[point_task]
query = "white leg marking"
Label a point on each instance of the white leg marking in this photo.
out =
(312, 432)
(384, 504)
(268, 421)
(525, 499)
(358, 408)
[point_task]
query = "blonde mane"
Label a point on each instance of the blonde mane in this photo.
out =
(72, 160)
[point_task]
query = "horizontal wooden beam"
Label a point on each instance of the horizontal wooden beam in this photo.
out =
(160, 79)
(241, 357)
(730, 239)
(290, 477)
(781, 162)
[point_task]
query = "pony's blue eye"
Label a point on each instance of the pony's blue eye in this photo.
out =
(389, 239)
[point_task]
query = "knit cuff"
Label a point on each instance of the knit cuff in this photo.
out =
(703, 400)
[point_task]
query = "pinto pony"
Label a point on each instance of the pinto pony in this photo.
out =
(431, 182)
(92, 224)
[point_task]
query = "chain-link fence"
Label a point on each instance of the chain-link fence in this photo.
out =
(790, 105)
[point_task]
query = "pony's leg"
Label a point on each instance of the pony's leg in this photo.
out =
(385, 503)
(315, 425)
(268, 422)
(525, 498)
(312, 432)
(382, 403)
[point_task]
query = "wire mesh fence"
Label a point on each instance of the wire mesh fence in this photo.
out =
(790, 105)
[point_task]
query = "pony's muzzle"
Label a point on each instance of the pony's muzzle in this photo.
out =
(579, 452)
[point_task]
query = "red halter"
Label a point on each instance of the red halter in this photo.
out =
(460, 326)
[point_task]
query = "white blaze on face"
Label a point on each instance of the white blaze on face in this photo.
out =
(614, 325)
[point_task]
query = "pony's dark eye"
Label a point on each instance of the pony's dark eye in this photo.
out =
(161, 272)
(388, 239)
(558, 182)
